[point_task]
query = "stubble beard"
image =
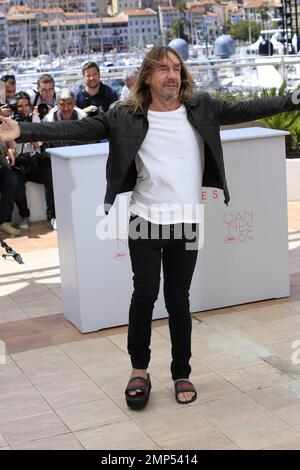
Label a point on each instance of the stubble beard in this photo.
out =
(171, 95)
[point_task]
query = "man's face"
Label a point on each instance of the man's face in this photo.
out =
(10, 90)
(46, 90)
(91, 77)
(23, 107)
(130, 81)
(165, 79)
(66, 108)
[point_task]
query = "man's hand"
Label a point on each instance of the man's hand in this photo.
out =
(5, 111)
(9, 129)
(90, 108)
(11, 155)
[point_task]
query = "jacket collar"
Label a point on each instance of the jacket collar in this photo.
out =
(191, 103)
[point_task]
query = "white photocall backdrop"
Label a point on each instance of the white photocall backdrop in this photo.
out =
(245, 253)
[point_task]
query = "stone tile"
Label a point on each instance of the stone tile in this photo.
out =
(27, 342)
(19, 328)
(3, 443)
(275, 397)
(211, 387)
(293, 386)
(6, 301)
(47, 359)
(257, 305)
(234, 344)
(97, 355)
(292, 445)
(28, 428)
(117, 436)
(291, 415)
(58, 292)
(288, 326)
(61, 442)
(260, 432)
(11, 287)
(63, 335)
(38, 308)
(91, 415)
(229, 410)
(262, 335)
(273, 313)
(11, 380)
(232, 320)
(67, 389)
(293, 305)
(163, 426)
(11, 314)
(221, 362)
(35, 291)
(252, 378)
(51, 322)
(283, 349)
(22, 402)
(211, 440)
(284, 365)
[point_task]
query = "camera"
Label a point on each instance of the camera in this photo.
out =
(43, 110)
(16, 115)
(19, 117)
(94, 112)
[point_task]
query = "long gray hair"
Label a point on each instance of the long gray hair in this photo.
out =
(140, 96)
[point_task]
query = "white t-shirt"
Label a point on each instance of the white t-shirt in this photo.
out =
(170, 168)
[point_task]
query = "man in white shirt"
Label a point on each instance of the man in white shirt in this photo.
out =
(130, 77)
(164, 145)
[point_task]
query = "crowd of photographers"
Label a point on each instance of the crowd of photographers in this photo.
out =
(20, 163)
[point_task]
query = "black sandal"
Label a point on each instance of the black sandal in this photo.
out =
(142, 387)
(182, 386)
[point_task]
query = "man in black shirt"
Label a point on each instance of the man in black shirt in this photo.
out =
(94, 94)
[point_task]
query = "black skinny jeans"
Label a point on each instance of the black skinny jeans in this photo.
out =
(42, 176)
(178, 268)
(8, 189)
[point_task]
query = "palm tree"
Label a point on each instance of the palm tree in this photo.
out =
(283, 121)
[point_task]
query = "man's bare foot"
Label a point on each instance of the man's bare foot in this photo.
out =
(137, 373)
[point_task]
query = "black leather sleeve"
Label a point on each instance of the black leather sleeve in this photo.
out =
(250, 110)
(86, 130)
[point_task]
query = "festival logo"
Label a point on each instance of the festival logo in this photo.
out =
(239, 226)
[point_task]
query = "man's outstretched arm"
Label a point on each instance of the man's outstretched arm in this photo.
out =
(250, 110)
(85, 130)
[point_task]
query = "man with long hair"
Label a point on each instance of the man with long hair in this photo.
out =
(164, 146)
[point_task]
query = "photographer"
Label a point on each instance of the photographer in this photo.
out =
(64, 111)
(43, 97)
(33, 167)
(7, 90)
(94, 96)
(8, 189)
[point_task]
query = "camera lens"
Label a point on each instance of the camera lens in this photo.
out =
(42, 110)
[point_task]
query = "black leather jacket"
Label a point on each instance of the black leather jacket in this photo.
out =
(126, 131)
